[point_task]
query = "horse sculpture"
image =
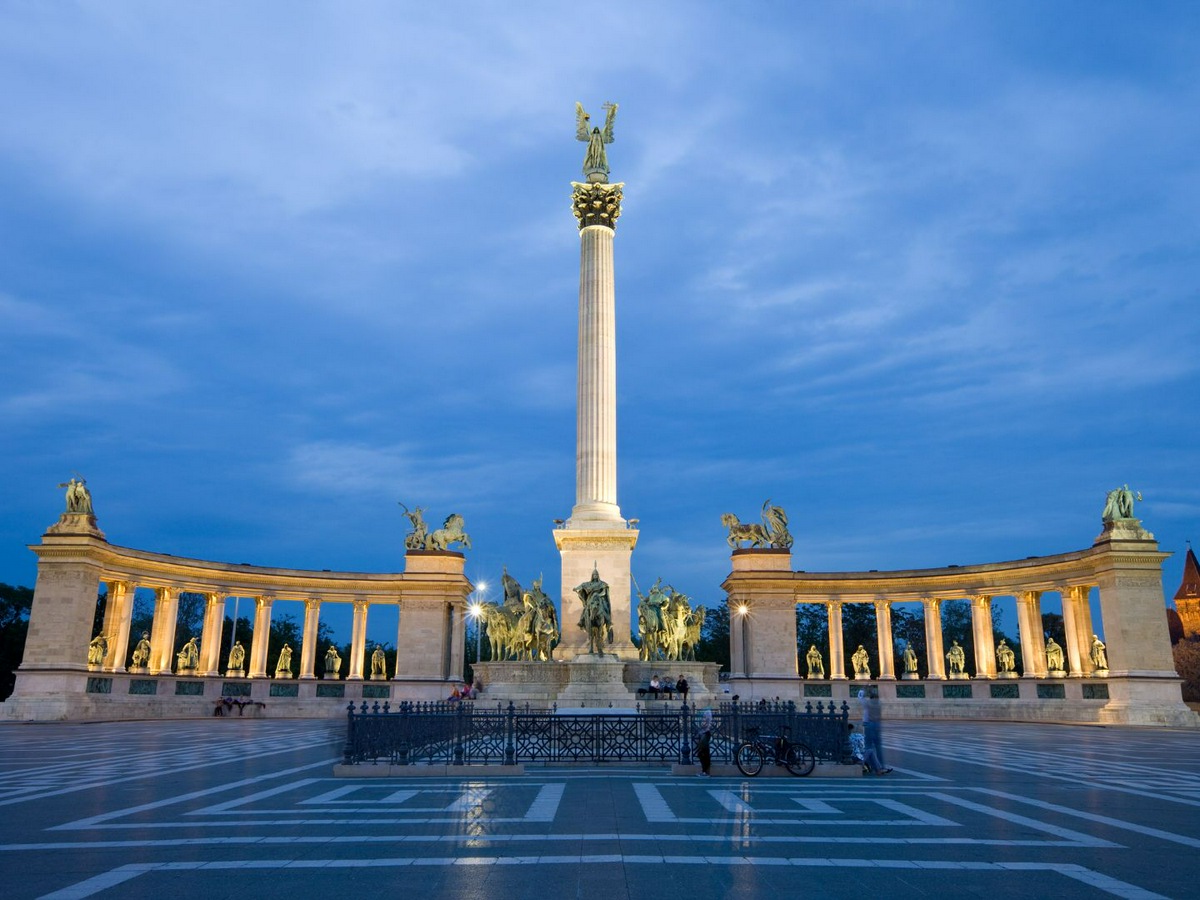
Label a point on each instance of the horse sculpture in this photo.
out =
(772, 533)
(451, 532)
(691, 633)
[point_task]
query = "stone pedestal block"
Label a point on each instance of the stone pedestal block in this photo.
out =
(609, 551)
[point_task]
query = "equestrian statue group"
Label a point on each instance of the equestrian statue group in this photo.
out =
(525, 626)
(668, 626)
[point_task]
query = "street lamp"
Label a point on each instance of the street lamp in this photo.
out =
(743, 611)
(475, 611)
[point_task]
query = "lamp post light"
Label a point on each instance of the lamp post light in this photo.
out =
(475, 611)
(743, 612)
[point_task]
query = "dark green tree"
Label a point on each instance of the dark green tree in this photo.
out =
(713, 645)
(15, 604)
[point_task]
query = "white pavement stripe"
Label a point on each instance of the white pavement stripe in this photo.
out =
(545, 805)
(539, 837)
(1096, 880)
(654, 807)
(92, 821)
(250, 798)
(1079, 837)
(925, 818)
(1094, 817)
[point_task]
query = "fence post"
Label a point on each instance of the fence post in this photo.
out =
(685, 736)
(510, 747)
(348, 750)
(458, 735)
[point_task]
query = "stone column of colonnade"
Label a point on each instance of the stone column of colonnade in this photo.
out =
(837, 645)
(162, 631)
(358, 640)
(934, 651)
(260, 637)
(308, 643)
(1077, 623)
(120, 598)
(883, 634)
(210, 640)
(1033, 636)
(981, 629)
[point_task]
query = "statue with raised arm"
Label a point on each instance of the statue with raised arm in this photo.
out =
(333, 663)
(595, 161)
(816, 665)
(96, 651)
(419, 536)
(1099, 654)
(79, 498)
(141, 653)
(596, 616)
(1054, 656)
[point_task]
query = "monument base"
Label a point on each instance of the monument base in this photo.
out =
(959, 676)
(910, 676)
(235, 673)
(592, 681)
(1006, 675)
(1057, 673)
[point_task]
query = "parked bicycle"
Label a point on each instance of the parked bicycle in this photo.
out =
(753, 753)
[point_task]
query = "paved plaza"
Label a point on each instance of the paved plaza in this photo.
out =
(247, 808)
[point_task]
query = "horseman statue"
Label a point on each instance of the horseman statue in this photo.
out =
(652, 621)
(596, 617)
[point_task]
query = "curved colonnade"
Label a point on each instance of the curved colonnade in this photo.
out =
(1140, 685)
(74, 559)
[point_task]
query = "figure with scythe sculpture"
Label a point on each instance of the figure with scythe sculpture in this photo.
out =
(773, 532)
(596, 617)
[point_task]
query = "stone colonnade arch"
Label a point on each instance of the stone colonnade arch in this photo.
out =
(1140, 686)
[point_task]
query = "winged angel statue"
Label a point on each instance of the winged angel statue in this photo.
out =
(595, 162)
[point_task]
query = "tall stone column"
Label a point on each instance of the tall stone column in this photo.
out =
(358, 640)
(985, 642)
(214, 621)
(122, 592)
(934, 644)
(430, 634)
(162, 637)
(837, 642)
(1033, 637)
(308, 647)
(596, 536)
(887, 646)
(260, 637)
(1077, 623)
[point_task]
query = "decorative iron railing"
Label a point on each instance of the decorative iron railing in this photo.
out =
(470, 734)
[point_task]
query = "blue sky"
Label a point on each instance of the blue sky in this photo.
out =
(925, 274)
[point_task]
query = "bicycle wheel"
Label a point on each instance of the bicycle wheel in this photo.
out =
(749, 759)
(800, 760)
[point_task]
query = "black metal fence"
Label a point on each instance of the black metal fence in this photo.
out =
(470, 734)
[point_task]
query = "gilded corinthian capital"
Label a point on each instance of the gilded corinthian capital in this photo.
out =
(596, 204)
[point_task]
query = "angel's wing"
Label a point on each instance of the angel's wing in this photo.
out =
(608, 122)
(581, 123)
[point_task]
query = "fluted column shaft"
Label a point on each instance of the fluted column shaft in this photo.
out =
(933, 639)
(308, 649)
(210, 642)
(837, 649)
(261, 636)
(1077, 623)
(985, 644)
(120, 592)
(162, 638)
(883, 633)
(1033, 638)
(358, 640)
(596, 422)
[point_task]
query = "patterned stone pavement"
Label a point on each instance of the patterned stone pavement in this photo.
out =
(248, 808)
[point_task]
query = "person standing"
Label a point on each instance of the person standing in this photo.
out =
(703, 741)
(872, 717)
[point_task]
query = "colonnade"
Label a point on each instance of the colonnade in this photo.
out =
(1077, 624)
